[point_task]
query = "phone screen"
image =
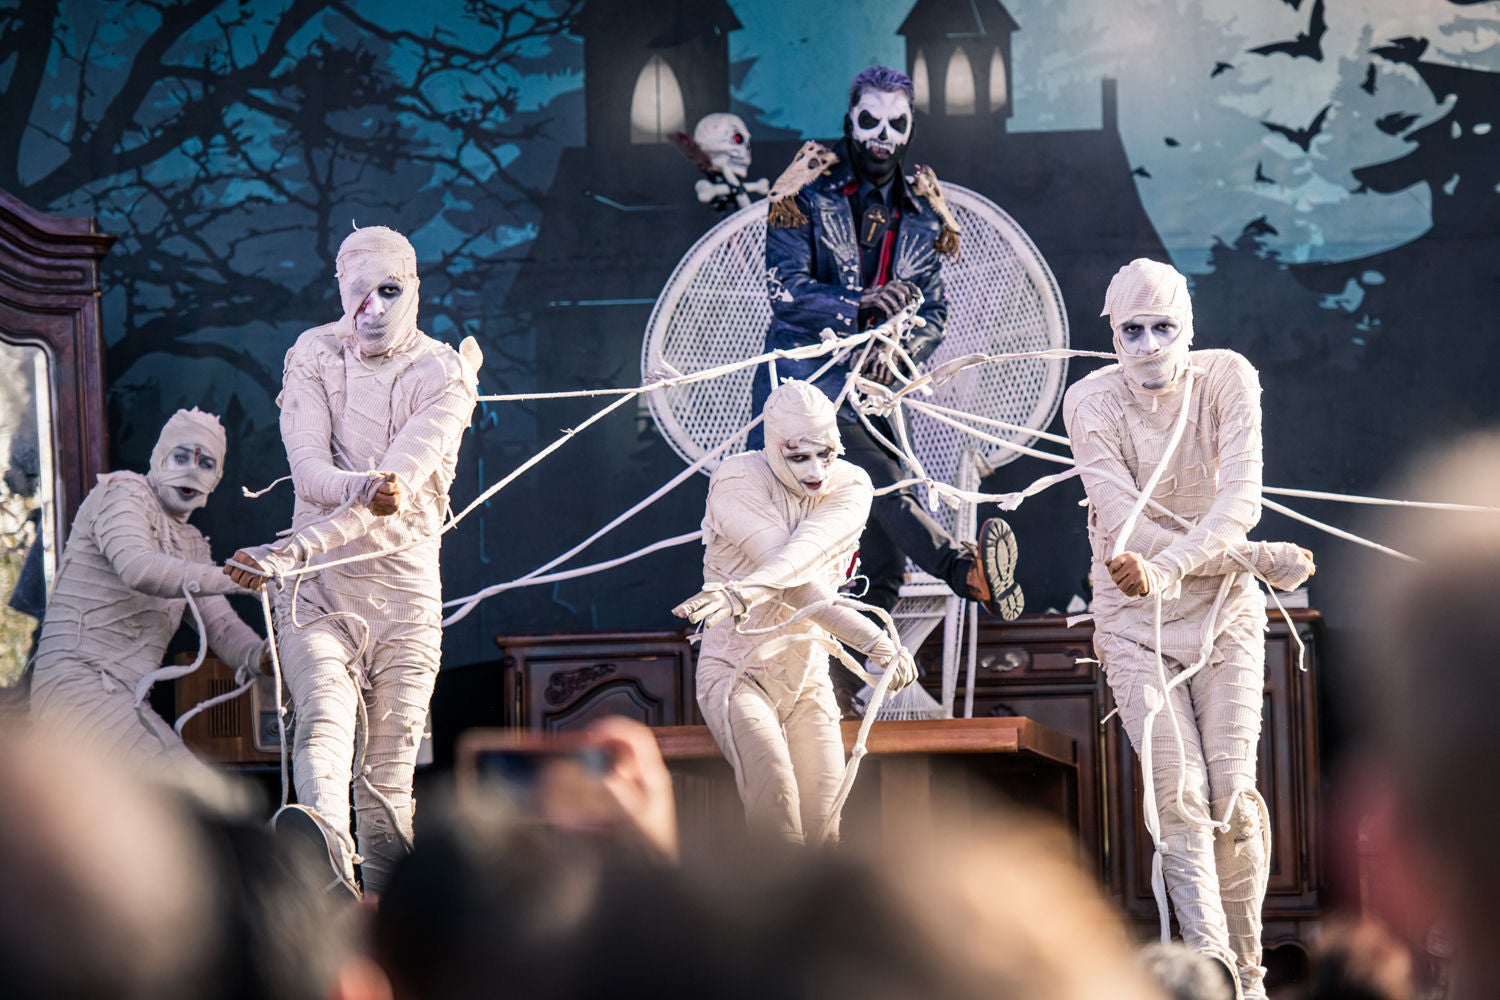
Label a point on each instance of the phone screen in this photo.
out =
(559, 785)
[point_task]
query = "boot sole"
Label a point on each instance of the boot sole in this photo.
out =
(997, 560)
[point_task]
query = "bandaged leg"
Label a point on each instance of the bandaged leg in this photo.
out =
(82, 704)
(748, 731)
(816, 745)
(325, 698)
(397, 712)
(1179, 780)
(1229, 696)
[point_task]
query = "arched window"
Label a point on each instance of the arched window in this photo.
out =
(922, 90)
(656, 107)
(958, 85)
(998, 96)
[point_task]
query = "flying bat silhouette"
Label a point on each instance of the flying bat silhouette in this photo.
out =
(1369, 85)
(1308, 43)
(1171, 141)
(1302, 136)
(1394, 123)
(1141, 172)
(1404, 49)
(1220, 67)
(1261, 177)
(1259, 226)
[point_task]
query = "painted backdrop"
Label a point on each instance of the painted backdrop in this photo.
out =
(1326, 172)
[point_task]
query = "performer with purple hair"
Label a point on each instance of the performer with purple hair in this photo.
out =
(850, 242)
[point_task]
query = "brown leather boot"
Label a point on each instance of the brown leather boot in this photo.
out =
(992, 570)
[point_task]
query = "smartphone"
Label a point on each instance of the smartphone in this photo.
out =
(551, 778)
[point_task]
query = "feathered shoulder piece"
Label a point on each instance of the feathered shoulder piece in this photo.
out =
(811, 160)
(925, 183)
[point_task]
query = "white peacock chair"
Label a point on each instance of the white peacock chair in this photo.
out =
(1002, 298)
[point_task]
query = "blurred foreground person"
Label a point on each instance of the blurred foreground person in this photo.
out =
(991, 910)
(1431, 658)
(105, 885)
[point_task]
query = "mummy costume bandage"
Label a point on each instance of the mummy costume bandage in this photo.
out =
(362, 400)
(1203, 730)
(777, 546)
(120, 594)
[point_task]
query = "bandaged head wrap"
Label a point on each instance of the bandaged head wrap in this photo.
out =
(797, 416)
(368, 258)
(194, 430)
(1150, 288)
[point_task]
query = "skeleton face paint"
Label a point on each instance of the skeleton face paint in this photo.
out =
(187, 462)
(802, 437)
(1151, 316)
(377, 272)
(726, 140)
(879, 129)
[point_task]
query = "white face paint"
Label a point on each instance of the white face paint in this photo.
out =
(1152, 349)
(881, 123)
(376, 305)
(810, 462)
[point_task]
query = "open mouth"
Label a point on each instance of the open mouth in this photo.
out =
(186, 492)
(814, 486)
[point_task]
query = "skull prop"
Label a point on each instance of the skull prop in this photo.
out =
(726, 140)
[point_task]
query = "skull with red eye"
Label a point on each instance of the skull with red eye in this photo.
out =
(726, 140)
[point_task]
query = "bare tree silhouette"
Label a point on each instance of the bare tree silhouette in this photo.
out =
(229, 145)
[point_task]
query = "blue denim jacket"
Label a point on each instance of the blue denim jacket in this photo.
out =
(813, 277)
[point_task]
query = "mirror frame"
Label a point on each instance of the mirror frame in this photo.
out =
(49, 298)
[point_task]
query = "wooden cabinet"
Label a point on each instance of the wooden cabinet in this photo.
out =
(1036, 667)
(562, 682)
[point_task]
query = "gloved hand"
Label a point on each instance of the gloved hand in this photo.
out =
(710, 606)
(880, 304)
(903, 670)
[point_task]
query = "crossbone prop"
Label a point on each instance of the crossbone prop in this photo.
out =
(720, 148)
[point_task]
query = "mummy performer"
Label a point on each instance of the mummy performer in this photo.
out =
(1184, 428)
(779, 535)
(121, 591)
(372, 413)
(850, 242)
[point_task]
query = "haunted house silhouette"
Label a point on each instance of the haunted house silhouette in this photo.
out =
(621, 213)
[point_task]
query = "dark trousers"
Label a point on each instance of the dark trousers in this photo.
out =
(899, 525)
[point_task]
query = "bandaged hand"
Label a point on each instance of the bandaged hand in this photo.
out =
(880, 304)
(710, 607)
(901, 667)
(1285, 565)
(1132, 574)
(386, 500)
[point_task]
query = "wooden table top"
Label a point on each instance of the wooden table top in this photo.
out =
(926, 736)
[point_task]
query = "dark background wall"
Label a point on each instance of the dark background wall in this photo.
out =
(1333, 200)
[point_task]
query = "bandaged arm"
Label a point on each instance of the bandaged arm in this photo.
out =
(1235, 395)
(231, 639)
(433, 429)
(787, 559)
(123, 532)
(307, 432)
